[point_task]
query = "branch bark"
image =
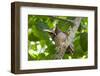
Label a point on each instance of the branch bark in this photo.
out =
(62, 49)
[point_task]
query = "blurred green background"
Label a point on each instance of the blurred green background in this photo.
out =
(42, 47)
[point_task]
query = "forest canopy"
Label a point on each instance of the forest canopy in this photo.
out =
(42, 47)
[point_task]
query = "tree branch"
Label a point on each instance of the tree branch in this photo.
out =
(62, 49)
(65, 20)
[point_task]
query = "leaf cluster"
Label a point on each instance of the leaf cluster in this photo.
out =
(42, 47)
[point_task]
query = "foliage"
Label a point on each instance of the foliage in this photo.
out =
(42, 47)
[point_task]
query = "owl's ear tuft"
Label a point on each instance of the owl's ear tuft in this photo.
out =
(57, 30)
(51, 33)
